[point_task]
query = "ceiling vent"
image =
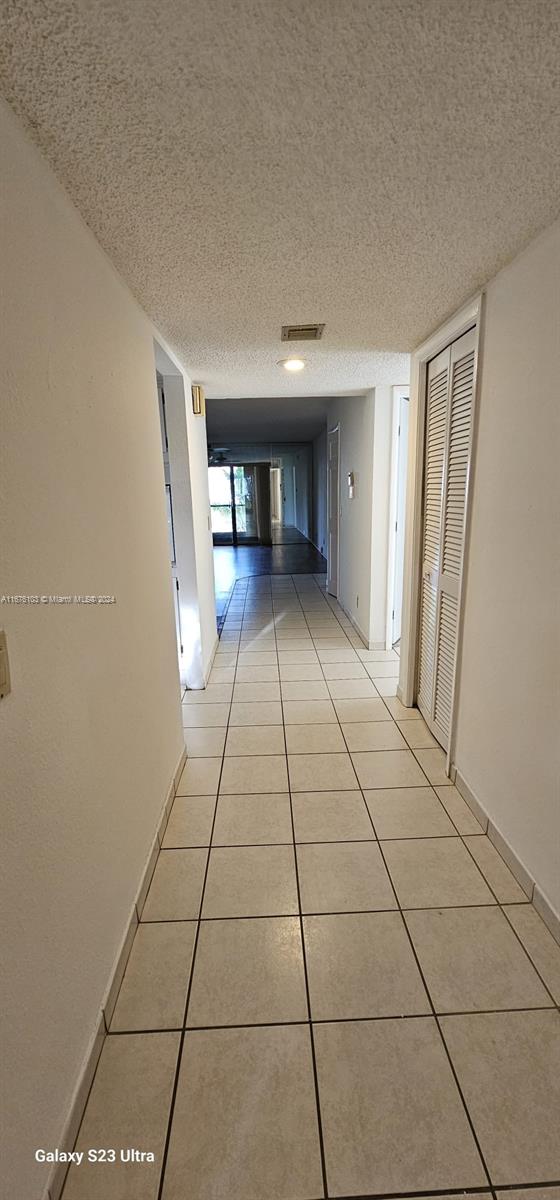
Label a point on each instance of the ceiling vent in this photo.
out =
(302, 333)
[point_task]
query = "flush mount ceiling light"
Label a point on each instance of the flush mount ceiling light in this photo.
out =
(292, 364)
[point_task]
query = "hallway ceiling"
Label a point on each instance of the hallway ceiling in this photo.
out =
(364, 163)
(289, 419)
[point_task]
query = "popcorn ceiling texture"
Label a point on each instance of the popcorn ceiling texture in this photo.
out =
(247, 163)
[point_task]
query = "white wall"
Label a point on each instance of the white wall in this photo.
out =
(508, 716)
(319, 506)
(381, 494)
(355, 415)
(91, 733)
(188, 476)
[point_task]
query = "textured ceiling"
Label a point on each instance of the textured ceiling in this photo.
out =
(288, 419)
(247, 163)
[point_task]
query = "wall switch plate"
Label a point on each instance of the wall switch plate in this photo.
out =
(4, 667)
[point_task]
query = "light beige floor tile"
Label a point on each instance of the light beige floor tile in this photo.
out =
(265, 674)
(225, 658)
(307, 689)
(387, 687)
(215, 693)
(330, 643)
(176, 886)
(257, 643)
(287, 657)
(331, 816)
(205, 716)
(255, 739)
(388, 768)
(361, 710)
(384, 670)
(494, 869)
(221, 675)
(544, 1193)
(254, 773)
(309, 712)
(200, 777)
(205, 743)
(399, 712)
(433, 765)
(408, 813)
(352, 689)
(255, 692)
(248, 972)
(508, 1066)
(247, 713)
(338, 655)
(378, 656)
(435, 873)
(245, 1120)
(253, 819)
(417, 734)
(300, 671)
(251, 881)
(373, 735)
(128, 1106)
(351, 670)
(361, 965)
(460, 813)
(190, 821)
(392, 1117)
(321, 772)
(314, 739)
(299, 645)
(472, 961)
(259, 658)
(154, 988)
(343, 877)
(539, 944)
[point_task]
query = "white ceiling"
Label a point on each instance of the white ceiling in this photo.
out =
(285, 419)
(366, 163)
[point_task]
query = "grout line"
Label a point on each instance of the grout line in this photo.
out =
(191, 977)
(306, 977)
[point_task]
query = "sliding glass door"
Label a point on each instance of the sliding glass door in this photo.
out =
(232, 504)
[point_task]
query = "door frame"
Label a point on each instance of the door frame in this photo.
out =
(330, 433)
(400, 393)
(470, 315)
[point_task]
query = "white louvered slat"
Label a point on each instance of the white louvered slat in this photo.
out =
(449, 406)
(445, 663)
(460, 412)
(436, 435)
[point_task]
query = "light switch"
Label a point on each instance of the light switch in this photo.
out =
(4, 666)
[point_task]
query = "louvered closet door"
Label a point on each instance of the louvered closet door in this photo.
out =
(448, 447)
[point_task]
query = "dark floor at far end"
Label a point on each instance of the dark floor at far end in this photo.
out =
(294, 554)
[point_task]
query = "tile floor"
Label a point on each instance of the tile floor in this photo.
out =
(337, 988)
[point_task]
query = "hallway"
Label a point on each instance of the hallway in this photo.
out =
(290, 552)
(336, 986)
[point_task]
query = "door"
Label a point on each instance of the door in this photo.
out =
(449, 412)
(402, 456)
(333, 504)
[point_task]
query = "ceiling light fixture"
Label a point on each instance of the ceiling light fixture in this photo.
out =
(292, 364)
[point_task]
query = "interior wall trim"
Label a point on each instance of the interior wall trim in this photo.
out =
(517, 867)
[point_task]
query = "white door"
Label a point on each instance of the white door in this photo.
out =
(333, 506)
(402, 455)
(449, 410)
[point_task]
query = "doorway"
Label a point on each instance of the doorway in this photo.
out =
(333, 508)
(397, 516)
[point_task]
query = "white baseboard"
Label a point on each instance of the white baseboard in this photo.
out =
(89, 1065)
(509, 855)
